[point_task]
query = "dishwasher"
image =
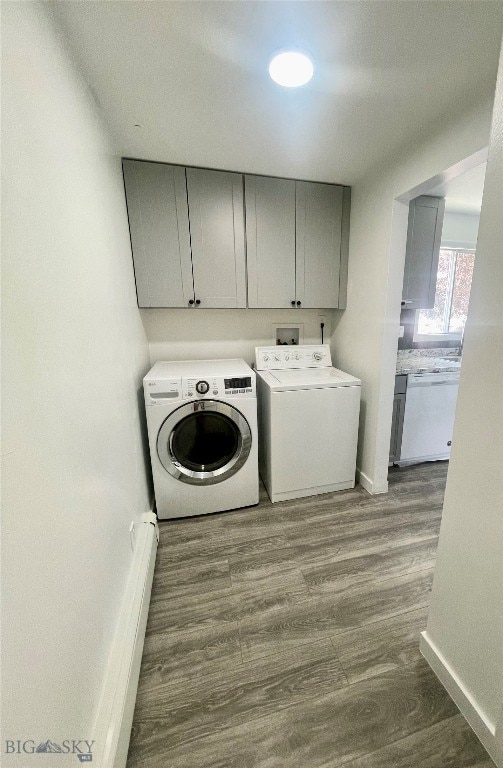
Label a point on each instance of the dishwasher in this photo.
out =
(430, 406)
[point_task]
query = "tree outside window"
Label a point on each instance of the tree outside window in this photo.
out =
(454, 281)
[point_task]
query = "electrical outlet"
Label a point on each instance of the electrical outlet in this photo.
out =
(132, 534)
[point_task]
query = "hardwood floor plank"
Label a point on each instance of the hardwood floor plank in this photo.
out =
(320, 546)
(194, 579)
(182, 657)
(325, 731)
(310, 620)
(381, 564)
(448, 744)
(223, 700)
(214, 609)
(380, 647)
(223, 606)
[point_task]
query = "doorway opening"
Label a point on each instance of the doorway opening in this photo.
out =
(435, 227)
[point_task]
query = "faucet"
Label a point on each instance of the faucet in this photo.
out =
(461, 341)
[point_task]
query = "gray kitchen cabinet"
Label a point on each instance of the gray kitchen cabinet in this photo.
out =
(297, 242)
(426, 215)
(159, 227)
(216, 215)
(270, 241)
(397, 418)
(187, 229)
(187, 235)
(321, 249)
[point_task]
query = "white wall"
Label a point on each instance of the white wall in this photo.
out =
(199, 334)
(364, 339)
(74, 352)
(460, 230)
(465, 622)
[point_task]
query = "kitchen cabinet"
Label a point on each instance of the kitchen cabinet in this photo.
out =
(270, 241)
(397, 418)
(216, 216)
(320, 264)
(424, 233)
(190, 248)
(159, 227)
(187, 235)
(297, 243)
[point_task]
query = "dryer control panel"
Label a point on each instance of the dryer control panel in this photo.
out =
(217, 387)
(283, 357)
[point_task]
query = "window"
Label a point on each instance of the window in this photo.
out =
(454, 280)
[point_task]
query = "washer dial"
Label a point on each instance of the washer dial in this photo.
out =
(202, 387)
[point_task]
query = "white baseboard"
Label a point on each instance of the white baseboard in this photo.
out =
(116, 708)
(369, 485)
(467, 705)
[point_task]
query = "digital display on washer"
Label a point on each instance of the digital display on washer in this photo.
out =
(242, 383)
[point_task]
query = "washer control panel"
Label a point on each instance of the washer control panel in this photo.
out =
(283, 357)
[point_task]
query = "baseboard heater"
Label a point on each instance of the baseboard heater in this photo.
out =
(115, 712)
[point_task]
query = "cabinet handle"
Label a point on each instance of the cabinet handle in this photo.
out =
(298, 303)
(403, 303)
(292, 303)
(198, 301)
(191, 301)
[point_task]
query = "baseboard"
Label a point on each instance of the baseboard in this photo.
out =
(369, 485)
(467, 705)
(116, 708)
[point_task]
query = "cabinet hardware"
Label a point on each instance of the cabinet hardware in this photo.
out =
(292, 303)
(191, 301)
(298, 303)
(198, 301)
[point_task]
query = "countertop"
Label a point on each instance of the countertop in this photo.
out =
(426, 361)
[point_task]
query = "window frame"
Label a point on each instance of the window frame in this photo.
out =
(446, 336)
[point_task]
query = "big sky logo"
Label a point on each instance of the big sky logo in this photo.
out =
(79, 747)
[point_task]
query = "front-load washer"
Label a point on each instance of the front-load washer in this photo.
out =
(202, 428)
(308, 421)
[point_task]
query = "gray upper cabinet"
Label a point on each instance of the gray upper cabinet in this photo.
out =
(319, 241)
(187, 235)
(426, 215)
(190, 248)
(159, 227)
(297, 236)
(270, 241)
(216, 214)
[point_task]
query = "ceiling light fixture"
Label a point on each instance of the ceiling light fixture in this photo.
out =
(291, 69)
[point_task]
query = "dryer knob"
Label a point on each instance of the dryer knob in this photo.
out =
(317, 356)
(202, 387)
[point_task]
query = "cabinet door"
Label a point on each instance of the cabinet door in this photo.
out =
(426, 215)
(270, 241)
(216, 215)
(318, 243)
(397, 427)
(159, 227)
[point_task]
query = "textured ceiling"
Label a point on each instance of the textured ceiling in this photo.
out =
(193, 76)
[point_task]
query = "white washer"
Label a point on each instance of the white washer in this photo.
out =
(202, 427)
(308, 421)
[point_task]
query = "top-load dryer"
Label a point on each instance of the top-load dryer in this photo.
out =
(308, 421)
(202, 427)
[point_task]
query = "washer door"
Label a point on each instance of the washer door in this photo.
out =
(204, 443)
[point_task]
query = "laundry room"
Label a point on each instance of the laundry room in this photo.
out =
(219, 548)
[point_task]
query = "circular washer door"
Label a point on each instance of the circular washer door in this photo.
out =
(204, 443)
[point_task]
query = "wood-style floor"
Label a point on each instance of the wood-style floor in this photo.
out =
(286, 636)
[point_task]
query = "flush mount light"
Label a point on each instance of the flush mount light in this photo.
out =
(291, 69)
